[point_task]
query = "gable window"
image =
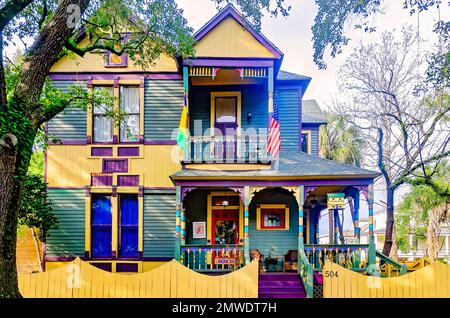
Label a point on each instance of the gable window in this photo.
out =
(114, 60)
(129, 105)
(103, 124)
(101, 226)
(305, 142)
(272, 217)
(128, 225)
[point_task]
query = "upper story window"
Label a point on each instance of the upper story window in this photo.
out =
(305, 142)
(129, 105)
(103, 124)
(114, 60)
(101, 226)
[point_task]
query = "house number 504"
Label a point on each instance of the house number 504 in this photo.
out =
(331, 274)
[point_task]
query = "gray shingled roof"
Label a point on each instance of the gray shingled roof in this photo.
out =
(312, 114)
(293, 164)
(288, 76)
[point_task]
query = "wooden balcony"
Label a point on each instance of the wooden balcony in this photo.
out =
(226, 149)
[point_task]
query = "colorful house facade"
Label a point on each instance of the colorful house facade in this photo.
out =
(128, 199)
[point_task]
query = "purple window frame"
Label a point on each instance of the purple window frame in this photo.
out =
(128, 151)
(101, 180)
(107, 169)
(128, 181)
(101, 152)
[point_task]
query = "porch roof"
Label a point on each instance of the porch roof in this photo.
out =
(292, 165)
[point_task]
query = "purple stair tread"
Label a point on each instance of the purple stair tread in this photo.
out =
(282, 295)
(281, 290)
(280, 285)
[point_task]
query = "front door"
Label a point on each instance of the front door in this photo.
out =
(226, 122)
(225, 227)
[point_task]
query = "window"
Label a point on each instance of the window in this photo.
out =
(129, 105)
(114, 60)
(101, 226)
(128, 225)
(226, 110)
(306, 142)
(103, 124)
(272, 217)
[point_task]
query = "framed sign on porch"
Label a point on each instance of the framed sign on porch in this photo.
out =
(198, 230)
(272, 217)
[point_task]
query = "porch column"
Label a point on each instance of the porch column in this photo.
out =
(270, 89)
(246, 238)
(178, 224)
(183, 226)
(354, 206)
(372, 247)
(330, 227)
(300, 200)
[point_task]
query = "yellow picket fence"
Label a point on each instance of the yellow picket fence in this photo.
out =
(79, 279)
(432, 281)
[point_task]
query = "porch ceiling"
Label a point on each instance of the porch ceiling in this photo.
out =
(292, 165)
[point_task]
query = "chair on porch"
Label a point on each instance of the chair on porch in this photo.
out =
(290, 261)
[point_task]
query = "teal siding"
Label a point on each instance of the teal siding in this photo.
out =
(288, 105)
(281, 241)
(68, 239)
(159, 224)
(254, 100)
(314, 138)
(163, 103)
(69, 125)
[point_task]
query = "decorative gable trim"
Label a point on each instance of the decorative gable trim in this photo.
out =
(230, 10)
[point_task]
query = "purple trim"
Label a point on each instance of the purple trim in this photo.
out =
(240, 183)
(127, 267)
(128, 181)
(300, 108)
(123, 61)
(128, 152)
(45, 154)
(100, 180)
(103, 266)
(160, 142)
(115, 165)
(101, 151)
(159, 188)
(89, 77)
(67, 188)
(157, 259)
(169, 76)
(228, 62)
(115, 139)
(88, 139)
(231, 10)
(141, 194)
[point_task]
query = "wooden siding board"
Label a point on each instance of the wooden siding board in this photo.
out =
(71, 124)
(159, 225)
(163, 103)
(288, 106)
(68, 239)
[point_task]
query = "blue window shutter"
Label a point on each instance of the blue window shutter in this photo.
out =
(128, 226)
(101, 226)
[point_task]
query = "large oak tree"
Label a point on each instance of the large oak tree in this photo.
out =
(54, 28)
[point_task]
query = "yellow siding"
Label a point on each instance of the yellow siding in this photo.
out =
(95, 62)
(79, 279)
(429, 282)
(230, 39)
(71, 166)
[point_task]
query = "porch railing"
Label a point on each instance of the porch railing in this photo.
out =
(305, 270)
(212, 258)
(349, 255)
(224, 149)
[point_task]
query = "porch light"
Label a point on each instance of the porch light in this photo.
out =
(225, 203)
(249, 117)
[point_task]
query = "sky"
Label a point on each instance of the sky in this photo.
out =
(293, 36)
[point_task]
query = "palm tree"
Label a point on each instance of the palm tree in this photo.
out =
(341, 141)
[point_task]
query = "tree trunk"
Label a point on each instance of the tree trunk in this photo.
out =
(9, 202)
(388, 239)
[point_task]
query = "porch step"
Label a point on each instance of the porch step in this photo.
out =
(318, 278)
(280, 285)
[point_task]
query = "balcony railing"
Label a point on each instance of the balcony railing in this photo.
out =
(212, 258)
(349, 255)
(226, 149)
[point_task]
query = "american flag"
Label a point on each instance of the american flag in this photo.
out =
(274, 142)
